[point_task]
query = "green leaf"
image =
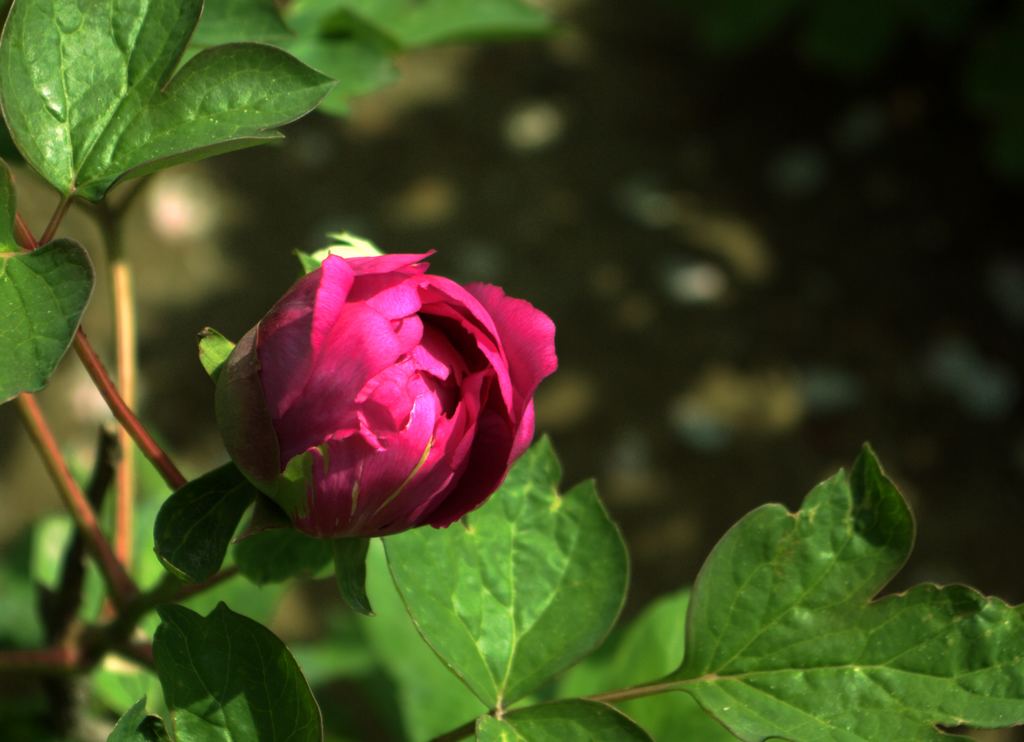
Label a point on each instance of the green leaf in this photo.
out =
(227, 21)
(89, 97)
(42, 296)
(358, 67)
(650, 647)
(346, 245)
(195, 524)
(431, 699)
(350, 572)
(414, 23)
(280, 554)
(214, 350)
(561, 721)
(226, 677)
(136, 726)
(784, 638)
(520, 590)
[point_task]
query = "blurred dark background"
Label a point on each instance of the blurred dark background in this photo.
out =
(767, 233)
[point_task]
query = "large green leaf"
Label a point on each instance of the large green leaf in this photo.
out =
(89, 97)
(413, 23)
(432, 700)
(784, 638)
(195, 524)
(522, 588)
(562, 721)
(651, 646)
(42, 296)
(226, 677)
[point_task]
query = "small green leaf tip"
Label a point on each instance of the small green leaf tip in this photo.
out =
(214, 350)
(350, 572)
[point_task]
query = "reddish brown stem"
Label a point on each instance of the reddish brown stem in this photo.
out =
(121, 586)
(123, 413)
(22, 234)
(57, 660)
(55, 220)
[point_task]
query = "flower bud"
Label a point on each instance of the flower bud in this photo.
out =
(375, 397)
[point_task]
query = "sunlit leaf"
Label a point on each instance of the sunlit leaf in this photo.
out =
(42, 296)
(214, 350)
(432, 700)
(786, 639)
(90, 95)
(226, 677)
(521, 589)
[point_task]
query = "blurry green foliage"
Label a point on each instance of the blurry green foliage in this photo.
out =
(855, 39)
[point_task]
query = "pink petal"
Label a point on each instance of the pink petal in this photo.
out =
(362, 344)
(379, 478)
(394, 295)
(411, 264)
(487, 465)
(527, 334)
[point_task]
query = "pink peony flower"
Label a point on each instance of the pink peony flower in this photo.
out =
(375, 397)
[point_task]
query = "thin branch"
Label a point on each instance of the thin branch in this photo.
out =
(56, 219)
(126, 355)
(172, 590)
(121, 586)
(465, 730)
(49, 661)
(22, 234)
(60, 606)
(123, 413)
(638, 691)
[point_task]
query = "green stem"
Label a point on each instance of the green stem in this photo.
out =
(624, 694)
